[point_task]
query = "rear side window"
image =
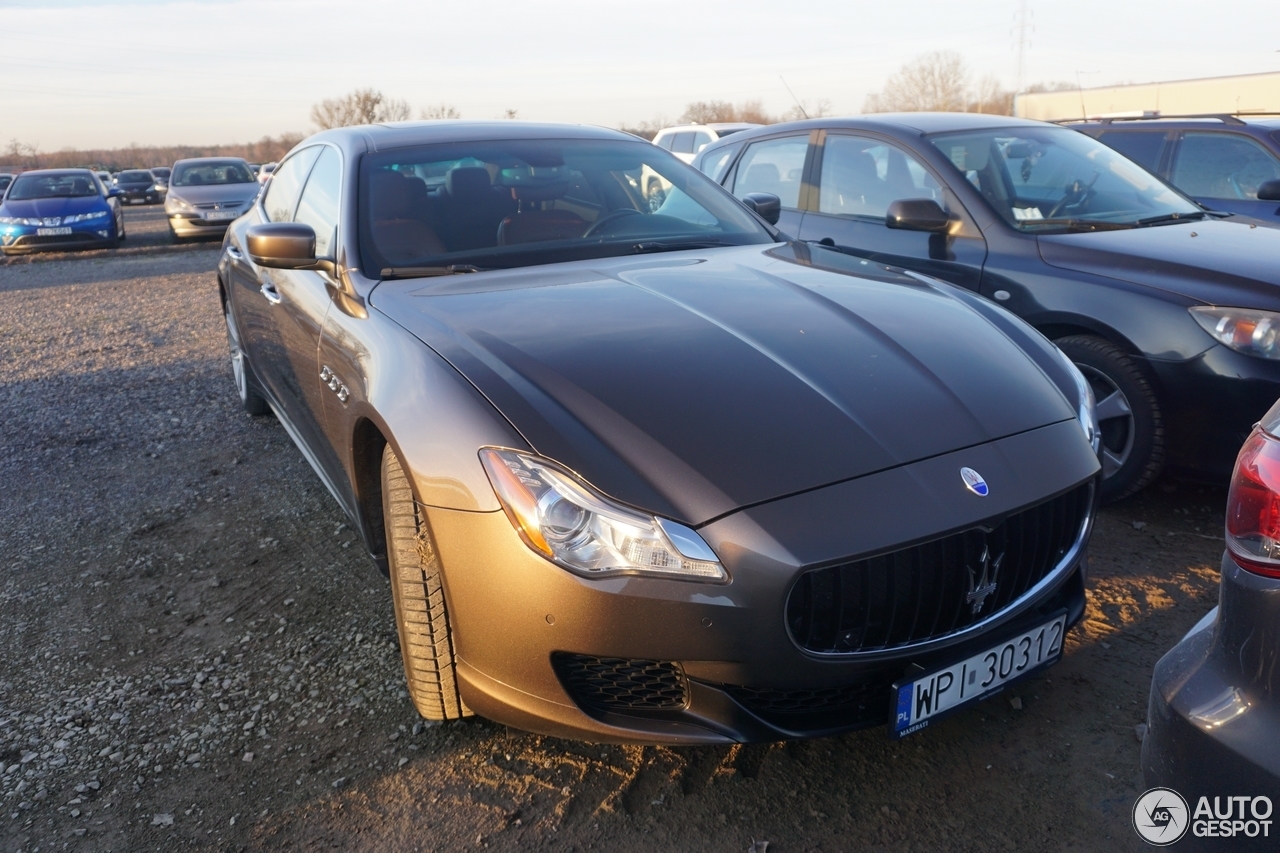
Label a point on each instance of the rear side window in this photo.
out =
(1141, 147)
(1222, 165)
(664, 142)
(683, 142)
(701, 140)
(774, 166)
(319, 205)
(286, 184)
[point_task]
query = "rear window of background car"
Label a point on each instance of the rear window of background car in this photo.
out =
(1143, 147)
(286, 184)
(664, 142)
(683, 142)
(1222, 165)
(773, 166)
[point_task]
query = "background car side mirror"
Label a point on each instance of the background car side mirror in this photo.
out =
(1269, 191)
(768, 205)
(281, 245)
(917, 214)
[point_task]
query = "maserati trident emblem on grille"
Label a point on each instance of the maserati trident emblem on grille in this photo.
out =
(973, 482)
(981, 586)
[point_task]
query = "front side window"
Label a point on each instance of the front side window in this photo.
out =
(1038, 178)
(200, 173)
(286, 184)
(715, 164)
(319, 204)
(510, 203)
(1222, 165)
(773, 166)
(862, 177)
(1140, 146)
(33, 186)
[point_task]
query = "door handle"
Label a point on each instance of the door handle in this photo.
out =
(272, 295)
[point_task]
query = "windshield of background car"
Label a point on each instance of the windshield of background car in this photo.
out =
(135, 177)
(519, 202)
(204, 174)
(52, 186)
(160, 173)
(1040, 178)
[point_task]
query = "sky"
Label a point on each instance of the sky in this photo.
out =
(109, 73)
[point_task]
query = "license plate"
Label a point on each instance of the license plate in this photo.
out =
(221, 214)
(921, 699)
(52, 232)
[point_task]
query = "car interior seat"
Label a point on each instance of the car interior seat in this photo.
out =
(473, 208)
(399, 229)
(760, 178)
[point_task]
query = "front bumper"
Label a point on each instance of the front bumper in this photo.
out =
(530, 637)
(21, 239)
(1211, 403)
(1214, 709)
(195, 225)
(142, 196)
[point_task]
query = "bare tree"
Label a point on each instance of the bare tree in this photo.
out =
(440, 111)
(509, 113)
(990, 97)
(23, 154)
(646, 129)
(934, 81)
(808, 109)
(703, 112)
(363, 106)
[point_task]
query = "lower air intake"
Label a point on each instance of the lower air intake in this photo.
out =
(622, 684)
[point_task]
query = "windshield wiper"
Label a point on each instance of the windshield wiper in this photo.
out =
(1167, 218)
(678, 245)
(426, 272)
(1082, 224)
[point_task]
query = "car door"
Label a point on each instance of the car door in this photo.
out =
(776, 165)
(858, 177)
(1223, 170)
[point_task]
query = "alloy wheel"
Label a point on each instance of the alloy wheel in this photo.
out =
(1115, 420)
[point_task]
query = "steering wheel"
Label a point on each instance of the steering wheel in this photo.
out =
(1076, 194)
(600, 224)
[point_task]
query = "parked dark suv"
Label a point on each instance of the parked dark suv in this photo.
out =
(1172, 312)
(1224, 162)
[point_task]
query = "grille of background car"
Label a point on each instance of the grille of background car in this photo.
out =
(918, 594)
(622, 684)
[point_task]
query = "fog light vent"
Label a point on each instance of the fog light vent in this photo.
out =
(622, 684)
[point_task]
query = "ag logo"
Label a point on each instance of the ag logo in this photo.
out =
(1160, 816)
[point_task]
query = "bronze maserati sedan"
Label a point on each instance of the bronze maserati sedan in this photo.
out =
(647, 475)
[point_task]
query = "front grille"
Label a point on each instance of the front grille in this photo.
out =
(622, 684)
(219, 205)
(52, 239)
(923, 592)
(870, 695)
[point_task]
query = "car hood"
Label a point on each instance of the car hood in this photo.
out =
(694, 384)
(47, 207)
(215, 192)
(1219, 262)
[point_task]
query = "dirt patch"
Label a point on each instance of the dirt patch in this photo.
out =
(197, 655)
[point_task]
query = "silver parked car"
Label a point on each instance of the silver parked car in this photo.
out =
(206, 193)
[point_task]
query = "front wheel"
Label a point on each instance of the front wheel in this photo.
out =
(252, 401)
(1128, 415)
(426, 641)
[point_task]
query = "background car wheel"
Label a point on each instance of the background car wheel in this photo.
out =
(120, 235)
(426, 644)
(253, 402)
(1128, 415)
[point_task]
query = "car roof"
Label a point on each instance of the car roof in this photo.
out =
(204, 160)
(1268, 122)
(919, 122)
(405, 133)
(56, 172)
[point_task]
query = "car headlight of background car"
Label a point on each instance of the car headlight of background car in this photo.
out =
(564, 520)
(1086, 405)
(1247, 330)
(175, 204)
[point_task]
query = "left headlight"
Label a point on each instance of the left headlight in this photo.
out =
(173, 202)
(566, 521)
(1086, 405)
(1247, 330)
(85, 217)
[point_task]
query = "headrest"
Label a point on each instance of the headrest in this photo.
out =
(762, 172)
(536, 183)
(467, 181)
(857, 163)
(388, 195)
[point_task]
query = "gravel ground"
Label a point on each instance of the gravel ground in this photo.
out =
(197, 654)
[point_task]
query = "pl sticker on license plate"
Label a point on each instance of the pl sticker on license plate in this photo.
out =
(924, 698)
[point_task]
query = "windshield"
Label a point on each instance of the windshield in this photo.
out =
(160, 173)
(5, 180)
(1041, 178)
(134, 177)
(219, 172)
(64, 185)
(520, 202)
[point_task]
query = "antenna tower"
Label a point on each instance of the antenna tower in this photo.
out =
(1022, 29)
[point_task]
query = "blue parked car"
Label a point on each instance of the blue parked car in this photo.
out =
(59, 209)
(1226, 162)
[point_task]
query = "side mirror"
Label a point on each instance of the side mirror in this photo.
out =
(281, 245)
(917, 214)
(768, 205)
(1269, 191)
